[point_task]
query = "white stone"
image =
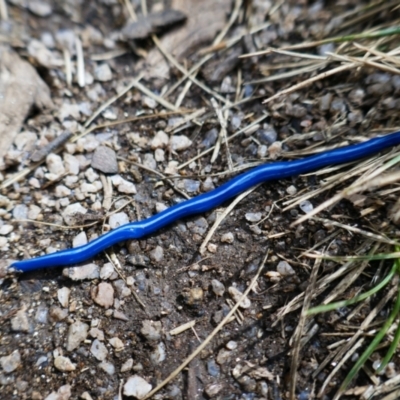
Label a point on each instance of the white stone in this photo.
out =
(34, 211)
(77, 333)
(6, 229)
(62, 191)
(136, 387)
(285, 269)
(68, 213)
(88, 271)
(117, 343)
(253, 217)
(236, 295)
(63, 296)
(11, 362)
(227, 237)
(106, 271)
(127, 365)
(160, 140)
(158, 355)
(218, 287)
(64, 364)
(80, 239)
(99, 350)
(107, 367)
(103, 73)
(103, 294)
(71, 164)
(118, 219)
(55, 164)
(159, 155)
(179, 143)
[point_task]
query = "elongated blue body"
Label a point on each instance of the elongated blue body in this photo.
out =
(210, 200)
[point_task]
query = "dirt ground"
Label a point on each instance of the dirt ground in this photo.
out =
(66, 334)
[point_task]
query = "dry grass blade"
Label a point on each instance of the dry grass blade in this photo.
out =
(373, 236)
(358, 187)
(222, 118)
(211, 336)
(80, 63)
(3, 10)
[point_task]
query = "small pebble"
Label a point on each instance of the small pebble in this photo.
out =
(71, 164)
(213, 389)
(103, 73)
(127, 365)
(11, 362)
(64, 364)
(179, 143)
(80, 239)
(117, 343)
(106, 271)
(6, 229)
(213, 368)
(151, 330)
(77, 333)
(212, 248)
(40, 8)
(88, 271)
(191, 185)
(99, 350)
(231, 345)
(218, 287)
(136, 387)
(285, 269)
(20, 322)
(107, 367)
(55, 164)
(105, 160)
(103, 294)
(223, 356)
(236, 295)
(118, 219)
(69, 213)
(63, 296)
(157, 356)
(306, 206)
(157, 254)
(267, 136)
(160, 140)
(227, 238)
(275, 150)
(20, 211)
(63, 393)
(291, 190)
(253, 217)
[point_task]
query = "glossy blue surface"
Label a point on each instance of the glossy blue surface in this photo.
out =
(210, 200)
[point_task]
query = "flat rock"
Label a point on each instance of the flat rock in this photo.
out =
(99, 350)
(11, 362)
(103, 294)
(64, 364)
(20, 322)
(136, 387)
(77, 333)
(105, 160)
